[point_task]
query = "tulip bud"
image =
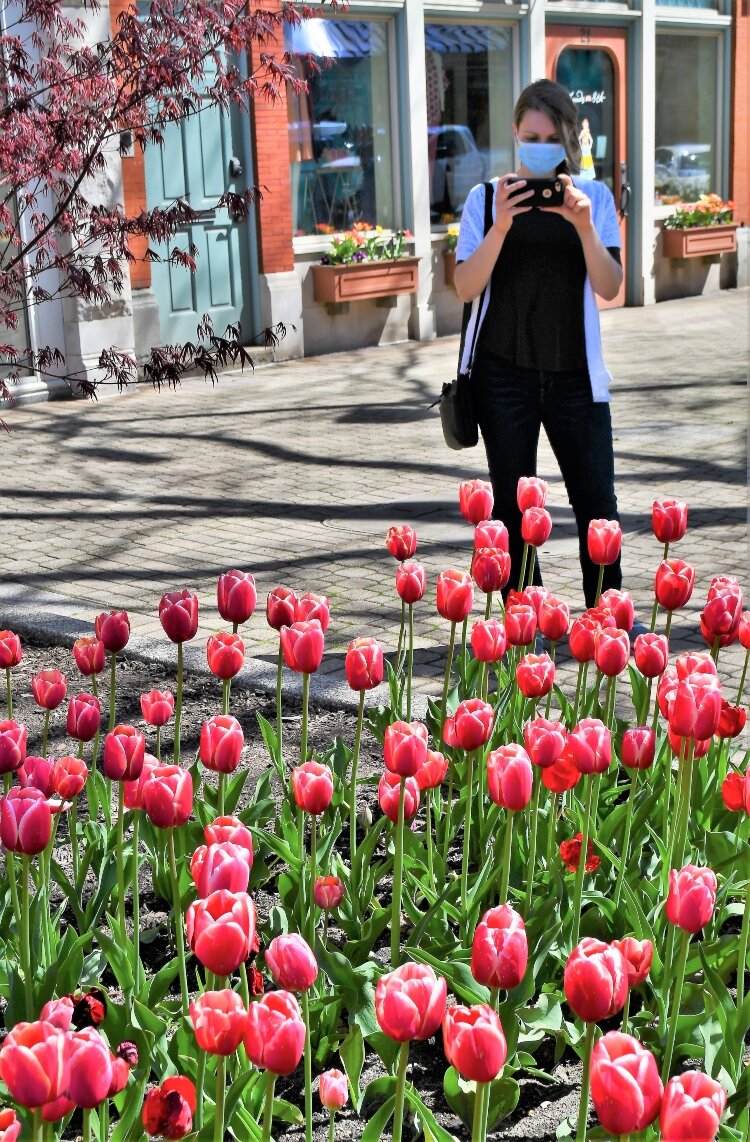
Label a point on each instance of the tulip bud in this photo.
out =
(590, 746)
(236, 596)
(732, 720)
(491, 533)
(25, 821)
(673, 583)
(124, 752)
(12, 746)
(157, 707)
(312, 786)
(639, 955)
(604, 541)
(221, 743)
(405, 747)
(90, 655)
(475, 500)
(595, 980)
(570, 854)
(553, 618)
(583, 634)
(562, 775)
(499, 950)
(536, 525)
(68, 777)
(691, 1108)
(545, 741)
(225, 866)
(490, 568)
(178, 615)
(229, 829)
(133, 790)
(651, 653)
(10, 650)
(695, 708)
(168, 1109)
(33, 1063)
(510, 777)
(488, 640)
(363, 664)
(112, 628)
(455, 595)
(49, 688)
(638, 747)
(219, 1020)
(10, 1127)
(474, 1042)
(411, 582)
(669, 520)
(409, 1002)
(520, 624)
(291, 963)
(743, 630)
(611, 651)
(280, 606)
(310, 606)
(90, 1071)
(389, 788)
(625, 1086)
(333, 1090)
(691, 899)
(328, 892)
(735, 792)
(225, 654)
(168, 796)
(401, 541)
(36, 773)
(221, 930)
(275, 1035)
(84, 717)
(473, 722)
(620, 605)
(432, 773)
(302, 645)
(535, 675)
(531, 493)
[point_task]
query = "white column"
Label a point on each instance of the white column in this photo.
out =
(643, 111)
(414, 124)
(533, 54)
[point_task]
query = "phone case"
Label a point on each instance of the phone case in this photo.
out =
(547, 191)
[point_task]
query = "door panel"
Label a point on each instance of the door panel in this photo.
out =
(591, 63)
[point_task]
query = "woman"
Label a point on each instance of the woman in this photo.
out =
(538, 358)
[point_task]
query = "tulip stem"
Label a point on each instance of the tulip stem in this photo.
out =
(313, 864)
(178, 705)
(683, 812)
(397, 877)
(222, 792)
(112, 691)
(410, 666)
(467, 830)
(200, 1079)
(488, 606)
(305, 703)
(353, 782)
(742, 957)
(505, 863)
(225, 690)
(626, 841)
(532, 842)
(428, 830)
(25, 944)
(398, 1110)
(268, 1106)
(578, 891)
(583, 669)
(668, 625)
(400, 635)
(741, 687)
(477, 1133)
(45, 730)
(308, 1063)
(136, 903)
(599, 584)
(73, 832)
(447, 678)
(120, 855)
(610, 700)
(522, 576)
(221, 1087)
(625, 1014)
(177, 904)
(331, 1126)
(279, 679)
(8, 692)
(679, 979)
(158, 744)
(583, 1112)
(86, 1125)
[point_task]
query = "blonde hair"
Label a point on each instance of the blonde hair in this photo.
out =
(554, 101)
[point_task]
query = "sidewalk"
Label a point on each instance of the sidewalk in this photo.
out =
(296, 472)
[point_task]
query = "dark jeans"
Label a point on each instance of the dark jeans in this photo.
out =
(512, 403)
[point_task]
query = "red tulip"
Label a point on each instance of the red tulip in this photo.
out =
(562, 775)
(545, 741)
(229, 829)
(491, 533)
(133, 790)
(669, 520)
(673, 583)
(432, 773)
(620, 605)
(25, 821)
(168, 796)
(520, 624)
(333, 1090)
(236, 596)
(490, 568)
(553, 618)
(499, 950)
(90, 655)
(84, 717)
(474, 1042)
(312, 786)
(10, 650)
(124, 752)
(157, 707)
(691, 663)
(302, 646)
(732, 720)
(638, 747)
(389, 792)
(310, 606)
(590, 746)
(531, 493)
(535, 675)
(720, 618)
(455, 595)
(225, 654)
(679, 745)
(89, 1068)
(10, 1127)
(691, 1108)
(168, 1109)
(604, 541)
(695, 708)
(291, 963)
(275, 1035)
(405, 747)
(328, 892)
(225, 866)
(595, 980)
(611, 650)
(488, 640)
(475, 500)
(178, 615)
(735, 792)
(363, 664)
(639, 955)
(691, 898)
(33, 1063)
(221, 743)
(584, 631)
(510, 777)
(68, 777)
(532, 596)
(401, 541)
(36, 773)
(743, 630)
(625, 1086)
(570, 854)
(651, 653)
(221, 930)
(410, 1002)
(411, 582)
(219, 1020)
(536, 525)
(49, 688)
(280, 606)
(113, 629)
(473, 721)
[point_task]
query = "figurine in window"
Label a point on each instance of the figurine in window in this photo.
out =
(586, 140)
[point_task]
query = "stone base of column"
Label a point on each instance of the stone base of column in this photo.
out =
(281, 301)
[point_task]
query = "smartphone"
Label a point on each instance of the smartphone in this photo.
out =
(547, 191)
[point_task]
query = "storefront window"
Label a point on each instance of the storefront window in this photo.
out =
(17, 337)
(686, 116)
(339, 130)
(469, 111)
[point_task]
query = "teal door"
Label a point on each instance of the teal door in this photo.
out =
(200, 160)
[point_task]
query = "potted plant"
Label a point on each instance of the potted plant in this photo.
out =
(699, 228)
(365, 263)
(449, 254)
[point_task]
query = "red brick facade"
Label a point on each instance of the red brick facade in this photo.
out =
(740, 132)
(133, 184)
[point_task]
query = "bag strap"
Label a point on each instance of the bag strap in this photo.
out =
(489, 192)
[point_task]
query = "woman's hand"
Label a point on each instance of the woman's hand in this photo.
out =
(508, 198)
(576, 207)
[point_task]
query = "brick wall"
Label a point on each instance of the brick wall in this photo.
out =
(740, 133)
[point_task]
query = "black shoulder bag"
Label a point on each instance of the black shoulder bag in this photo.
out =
(457, 414)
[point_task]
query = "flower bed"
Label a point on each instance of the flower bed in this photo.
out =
(514, 951)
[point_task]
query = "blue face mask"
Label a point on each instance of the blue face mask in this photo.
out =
(541, 158)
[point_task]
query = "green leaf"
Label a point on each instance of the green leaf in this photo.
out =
(117, 957)
(352, 1052)
(458, 975)
(162, 981)
(460, 1096)
(377, 1124)
(238, 1088)
(433, 1131)
(504, 1096)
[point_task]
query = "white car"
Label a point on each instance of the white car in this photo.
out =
(684, 168)
(458, 166)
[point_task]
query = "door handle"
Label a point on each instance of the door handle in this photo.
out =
(235, 167)
(625, 194)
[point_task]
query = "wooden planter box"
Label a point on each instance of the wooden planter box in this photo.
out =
(698, 241)
(360, 281)
(449, 266)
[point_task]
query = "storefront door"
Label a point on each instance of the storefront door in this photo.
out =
(591, 64)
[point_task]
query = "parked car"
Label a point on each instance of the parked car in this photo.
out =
(683, 168)
(458, 166)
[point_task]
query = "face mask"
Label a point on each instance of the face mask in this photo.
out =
(541, 158)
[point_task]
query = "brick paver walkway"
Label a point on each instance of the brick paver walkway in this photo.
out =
(295, 473)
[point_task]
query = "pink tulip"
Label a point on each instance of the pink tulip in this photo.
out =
(221, 743)
(302, 645)
(236, 596)
(475, 500)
